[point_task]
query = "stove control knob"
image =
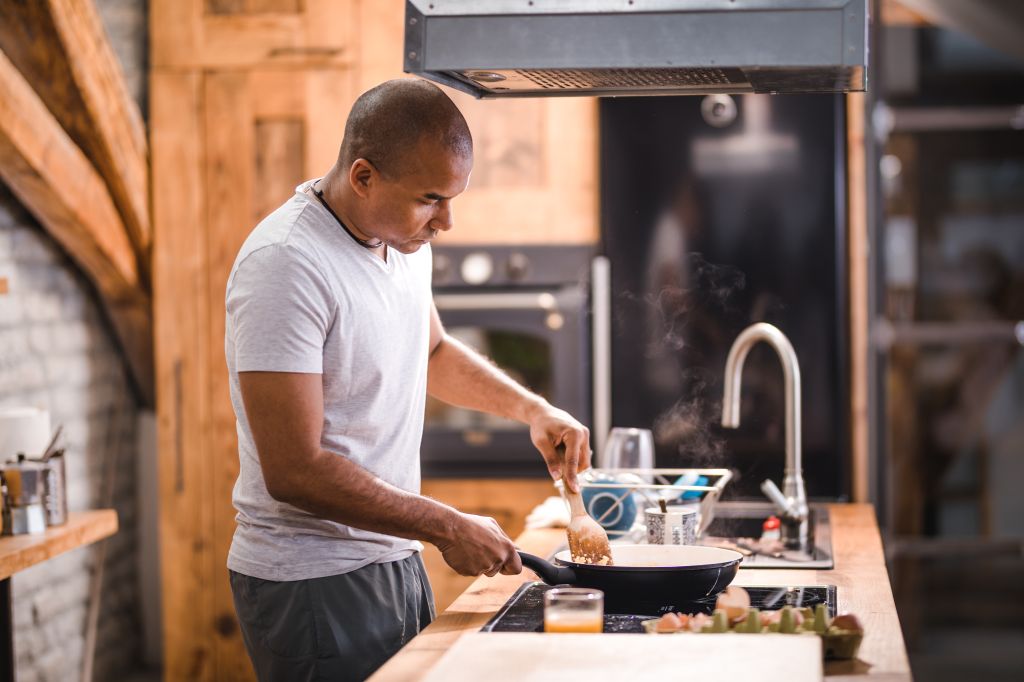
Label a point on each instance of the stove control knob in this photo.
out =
(477, 268)
(517, 267)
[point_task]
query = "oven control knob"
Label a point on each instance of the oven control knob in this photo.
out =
(718, 110)
(477, 268)
(442, 268)
(517, 267)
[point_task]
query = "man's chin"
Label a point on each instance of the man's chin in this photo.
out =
(412, 246)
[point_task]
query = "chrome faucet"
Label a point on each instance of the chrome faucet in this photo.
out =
(791, 502)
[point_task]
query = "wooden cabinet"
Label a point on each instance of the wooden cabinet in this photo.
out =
(228, 147)
(507, 501)
(535, 170)
(197, 34)
(248, 98)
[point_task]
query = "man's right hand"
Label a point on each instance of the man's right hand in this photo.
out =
(478, 546)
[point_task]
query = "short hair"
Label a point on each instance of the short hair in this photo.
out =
(389, 120)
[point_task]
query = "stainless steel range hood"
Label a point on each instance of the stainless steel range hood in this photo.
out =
(539, 48)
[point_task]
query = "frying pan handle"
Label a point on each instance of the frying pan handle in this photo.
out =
(549, 573)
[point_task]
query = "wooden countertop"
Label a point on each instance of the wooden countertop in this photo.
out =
(18, 552)
(859, 575)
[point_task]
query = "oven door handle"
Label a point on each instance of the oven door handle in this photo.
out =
(497, 301)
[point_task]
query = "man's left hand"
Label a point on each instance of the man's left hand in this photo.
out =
(552, 427)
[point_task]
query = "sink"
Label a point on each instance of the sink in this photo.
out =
(744, 519)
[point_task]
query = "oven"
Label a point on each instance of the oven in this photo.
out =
(525, 308)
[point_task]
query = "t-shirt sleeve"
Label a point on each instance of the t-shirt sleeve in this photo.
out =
(279, 310)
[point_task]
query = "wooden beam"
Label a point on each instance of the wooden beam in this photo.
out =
(58, 185)
(61, 48)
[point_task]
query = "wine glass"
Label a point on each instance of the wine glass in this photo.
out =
(628, 448)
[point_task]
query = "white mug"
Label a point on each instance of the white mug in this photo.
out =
(676, 526)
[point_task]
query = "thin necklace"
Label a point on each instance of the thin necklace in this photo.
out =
(365, 243)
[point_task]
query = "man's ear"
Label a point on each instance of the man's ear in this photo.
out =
(361, 176)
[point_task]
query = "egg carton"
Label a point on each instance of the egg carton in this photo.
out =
(616, 498)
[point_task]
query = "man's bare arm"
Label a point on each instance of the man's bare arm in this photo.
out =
(285, 414)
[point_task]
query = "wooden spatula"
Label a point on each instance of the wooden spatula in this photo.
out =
(588, 541)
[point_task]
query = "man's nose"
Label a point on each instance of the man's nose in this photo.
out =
(444, 219)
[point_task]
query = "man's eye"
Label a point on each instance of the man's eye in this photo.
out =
(428, 202)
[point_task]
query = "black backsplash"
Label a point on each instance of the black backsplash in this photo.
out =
(709, 230)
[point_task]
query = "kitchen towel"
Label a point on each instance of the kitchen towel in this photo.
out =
(551, 513)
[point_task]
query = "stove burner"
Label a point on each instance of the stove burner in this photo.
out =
(524, 611)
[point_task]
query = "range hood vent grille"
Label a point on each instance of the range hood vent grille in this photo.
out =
(604, 79)
(506, 48)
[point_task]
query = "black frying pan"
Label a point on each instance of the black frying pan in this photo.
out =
(665, 573)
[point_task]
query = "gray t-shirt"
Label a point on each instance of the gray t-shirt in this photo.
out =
(304, 297)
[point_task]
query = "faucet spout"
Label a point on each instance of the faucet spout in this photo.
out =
(793, 508)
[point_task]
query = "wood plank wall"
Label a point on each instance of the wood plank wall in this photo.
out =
(248, 98)
(857, 258)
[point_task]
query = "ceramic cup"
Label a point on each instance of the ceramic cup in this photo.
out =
(613, 508)
(677, 526)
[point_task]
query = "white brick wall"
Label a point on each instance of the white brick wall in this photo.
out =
(57, 352)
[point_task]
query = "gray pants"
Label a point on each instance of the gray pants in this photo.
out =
(342, 627)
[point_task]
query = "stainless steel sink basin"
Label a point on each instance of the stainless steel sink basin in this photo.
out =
(744, 520)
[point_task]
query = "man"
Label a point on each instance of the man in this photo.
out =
(332, 343)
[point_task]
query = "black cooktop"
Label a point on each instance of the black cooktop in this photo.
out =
(524, 611)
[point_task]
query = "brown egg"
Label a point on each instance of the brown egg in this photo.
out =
(847, 621)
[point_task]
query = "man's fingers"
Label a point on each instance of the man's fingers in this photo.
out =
(513, 565)
(573, 448)
(585, 452)
(551, 457)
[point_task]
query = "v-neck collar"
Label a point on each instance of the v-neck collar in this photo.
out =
(387, 263)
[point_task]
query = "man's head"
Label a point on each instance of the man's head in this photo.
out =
(407, 152)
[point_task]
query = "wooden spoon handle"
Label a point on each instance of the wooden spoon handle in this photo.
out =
(576, 506)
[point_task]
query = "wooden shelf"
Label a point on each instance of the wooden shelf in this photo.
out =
(18, 552)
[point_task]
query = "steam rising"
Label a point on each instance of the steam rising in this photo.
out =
(681, 300)
(689, 424)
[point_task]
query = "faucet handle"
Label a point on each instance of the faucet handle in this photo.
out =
(773, 493)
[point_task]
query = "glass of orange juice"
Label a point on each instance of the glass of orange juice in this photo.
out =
(573, 609)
